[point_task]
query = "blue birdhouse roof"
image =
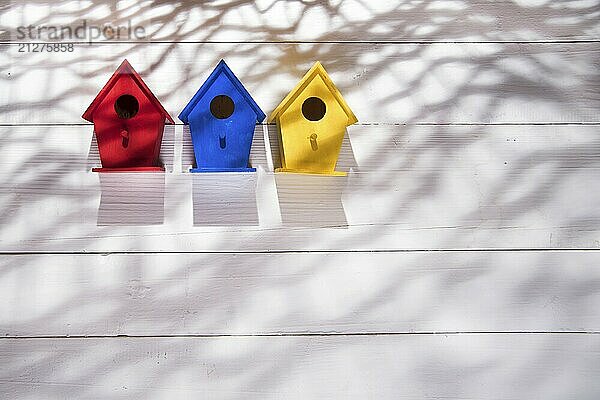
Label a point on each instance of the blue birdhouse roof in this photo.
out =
(221, 68)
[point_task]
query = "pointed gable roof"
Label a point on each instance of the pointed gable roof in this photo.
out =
(316, 70)
(221, 68)
(124, 69)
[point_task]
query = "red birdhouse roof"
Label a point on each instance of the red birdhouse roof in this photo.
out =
(124, 69)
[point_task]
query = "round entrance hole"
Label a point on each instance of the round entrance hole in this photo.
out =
(126, 106)
(222, 106)
(313, 109)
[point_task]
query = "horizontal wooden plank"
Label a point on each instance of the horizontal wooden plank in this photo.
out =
(272, 21)
(500, 367)
(410, 187)
(348, 293)
(391, 83)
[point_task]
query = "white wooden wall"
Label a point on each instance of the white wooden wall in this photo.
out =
(459, 259)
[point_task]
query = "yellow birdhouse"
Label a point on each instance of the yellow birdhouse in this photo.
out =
(312, 121)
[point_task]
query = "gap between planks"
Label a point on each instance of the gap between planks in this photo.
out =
(298, 334)
(456, 250)
(400, 42)
(50, 124)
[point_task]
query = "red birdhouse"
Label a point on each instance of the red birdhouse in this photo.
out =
(128, 123)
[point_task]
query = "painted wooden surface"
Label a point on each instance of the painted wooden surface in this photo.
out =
(410, 187)
(479, 131)
(382, 83)
(322, 21)
(381, 367)
(299, 293)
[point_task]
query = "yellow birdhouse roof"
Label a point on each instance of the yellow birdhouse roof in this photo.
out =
(316, 70)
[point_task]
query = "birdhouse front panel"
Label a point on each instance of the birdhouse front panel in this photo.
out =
(222, 126)
(128, 123)
(128, 127)
(312, 130)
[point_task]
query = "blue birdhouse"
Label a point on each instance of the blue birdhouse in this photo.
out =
(222, 116)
